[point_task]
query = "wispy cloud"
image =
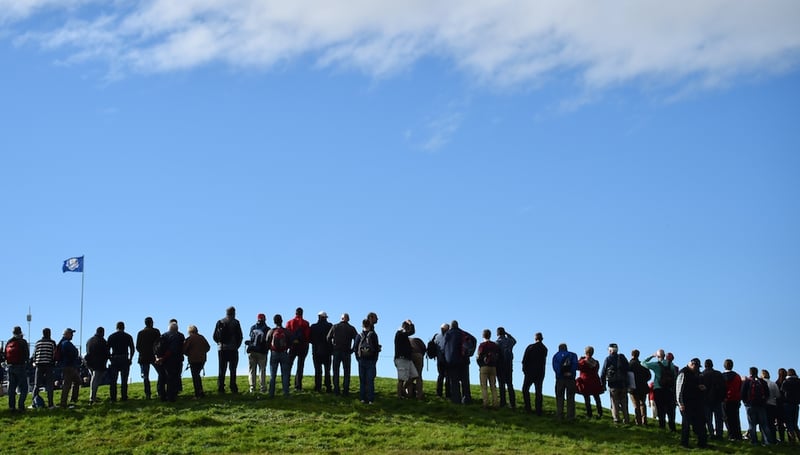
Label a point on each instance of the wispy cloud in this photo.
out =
(502, 43)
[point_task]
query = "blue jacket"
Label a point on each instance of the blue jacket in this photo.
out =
(558, 359)
(69, 354)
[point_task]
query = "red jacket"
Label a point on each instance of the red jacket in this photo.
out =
(588, 382)
(733, 385)
(300, 326)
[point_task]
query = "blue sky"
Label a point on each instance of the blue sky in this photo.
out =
(627, 175)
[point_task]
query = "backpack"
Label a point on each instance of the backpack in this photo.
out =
(366, 347)
(488, 356)
(279, 342)
(612, 371)
(566, 367)
(257, 342)
(432, 350)
(468, 345)
(221, 331)
(757, 392)
(57, 353)
(14, 352)
(667, 378)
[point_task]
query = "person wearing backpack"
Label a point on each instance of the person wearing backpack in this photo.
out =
(663, 388)
(754, 396)
(228, 336)
(44, 360)
(367, 352)
(615, 375)
(457, 344)
(488, 358)
(278, 341)
(505, 366)
(714, 396)
(300, 337)
(565, 365)
(257, 349)
(17, 354)
(640, 390)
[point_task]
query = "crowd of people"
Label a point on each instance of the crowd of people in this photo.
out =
(707, 399)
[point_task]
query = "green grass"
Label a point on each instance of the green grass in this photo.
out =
(309, 422)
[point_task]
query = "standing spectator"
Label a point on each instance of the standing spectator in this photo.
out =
(780, 420)
(505, 366)
(121, 350)
(754, 396)
(442, 382)
(145, 343)
(771, 406)
(341, 337)
(663, 383)
(97, 361)
(691, 394)
(300, 337)
(196, 348)
(169, 356)
(534, 363)
(714, 396)
(615, 375)
(278, 341)
(733, 401)
(457, 344)
(418, 357)
(43, 360)
(488, 356)
(257, 353)
(70, 364)
(17, 353)
(321, 352)
(791, 402)
(588, 383)
(640, 389)
(565, 364)
(367, 349)
(406, 371)
(228, 336)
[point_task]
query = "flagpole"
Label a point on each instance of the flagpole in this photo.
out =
(80, 346)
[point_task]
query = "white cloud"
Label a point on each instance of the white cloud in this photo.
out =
(503, 43)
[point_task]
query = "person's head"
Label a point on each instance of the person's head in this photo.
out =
(373, 318)
(173, 327)
(562, 347)
(670, 357)
(408, 327)
(613, 348)
(660, 354)
(589, 351)
(277, 320)
(322, 316)
(791, 372)
(46, 332)
(444, 328)
(148, 322)
(753, 372)
(120, 325)
(17, 332)
(454, 324)
(230, 312)
(727, 364)
(635, 354)
(538, 336)
(298, 312)
(261, 318)
(192, 329)
(709, 364)
(68, 334)
(765, 374)
(173, 321)
(100, 331)
(367, 324)
(781, 374)
(487, 334)
(501, 331)
(345, 317)
(694, 364)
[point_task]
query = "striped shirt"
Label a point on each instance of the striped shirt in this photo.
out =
(43, 352)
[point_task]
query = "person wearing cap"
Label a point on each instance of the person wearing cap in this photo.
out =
(691, 395)
(615, 375)
(228, 336)
(70, 364)
(44, 361)
(121, 350)
(96, 361)
(17, 356)
(300, 337)
(145, 344)
(321, 351)
(341, 337)
(257, 353)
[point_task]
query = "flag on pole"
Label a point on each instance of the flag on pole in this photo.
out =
(73, 265)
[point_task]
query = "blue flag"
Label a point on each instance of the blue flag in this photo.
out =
(73, 265)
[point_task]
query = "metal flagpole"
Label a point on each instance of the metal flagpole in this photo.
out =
(80, 346)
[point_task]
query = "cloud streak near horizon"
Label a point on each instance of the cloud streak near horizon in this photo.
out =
(498, 43)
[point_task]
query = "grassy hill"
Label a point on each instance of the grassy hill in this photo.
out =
(309, 422)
